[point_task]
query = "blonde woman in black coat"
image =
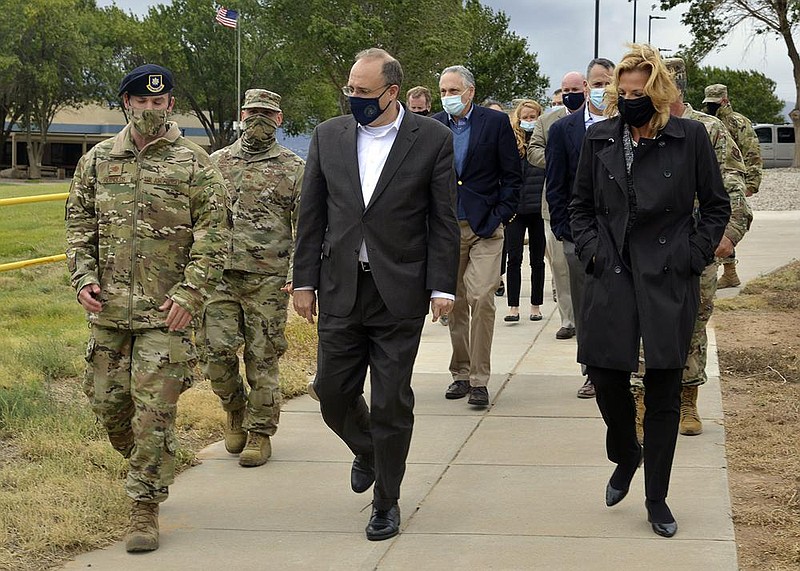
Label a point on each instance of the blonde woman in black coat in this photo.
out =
(648, 209)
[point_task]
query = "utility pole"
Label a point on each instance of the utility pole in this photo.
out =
(650, 19)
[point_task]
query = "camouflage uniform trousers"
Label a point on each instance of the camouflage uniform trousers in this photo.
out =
(246, 309)
(133, 380)
(694, 371)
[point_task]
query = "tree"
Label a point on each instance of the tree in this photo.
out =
(751, 92)
(712, 20)
(326, 36)
(202, 55)
(498, 58)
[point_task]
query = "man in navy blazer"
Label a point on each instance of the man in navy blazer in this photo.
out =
(584, 100)
(488, 184)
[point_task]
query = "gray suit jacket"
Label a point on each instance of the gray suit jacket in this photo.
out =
(409, 225)
(538, 143)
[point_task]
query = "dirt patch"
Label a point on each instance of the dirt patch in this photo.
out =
(760, 377)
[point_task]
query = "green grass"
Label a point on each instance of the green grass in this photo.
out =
(61, 483)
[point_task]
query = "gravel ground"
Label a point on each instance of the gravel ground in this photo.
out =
(780, 190)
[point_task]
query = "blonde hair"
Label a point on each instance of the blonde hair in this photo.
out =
(519, 134)
(659, 87)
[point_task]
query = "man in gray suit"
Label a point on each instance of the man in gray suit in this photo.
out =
(377, 238)
(553, 250)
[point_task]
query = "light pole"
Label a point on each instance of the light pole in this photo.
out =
(634, 20)
(596, 26)
(650, 19)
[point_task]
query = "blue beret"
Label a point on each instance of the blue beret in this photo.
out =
(148, 79)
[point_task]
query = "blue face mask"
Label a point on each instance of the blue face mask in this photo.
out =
(367, 109)
(453, 104)
(527, 125)
(596, 97)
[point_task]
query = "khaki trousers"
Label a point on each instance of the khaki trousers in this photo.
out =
(472, 318)
(554, 252)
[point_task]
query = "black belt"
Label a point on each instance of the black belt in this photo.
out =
(364, 266)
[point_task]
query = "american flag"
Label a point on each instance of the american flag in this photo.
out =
(227, 18)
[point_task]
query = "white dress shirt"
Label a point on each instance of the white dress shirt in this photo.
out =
(374, 145)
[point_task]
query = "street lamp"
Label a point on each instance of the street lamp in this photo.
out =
(634, 20)
(650, 19)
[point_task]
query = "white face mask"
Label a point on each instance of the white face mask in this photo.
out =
(527, 125)
(596, 97)
(453, 104)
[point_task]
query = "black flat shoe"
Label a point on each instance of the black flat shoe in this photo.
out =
(665, 529)
(661, 518)
(536, 317)
(511, 318)
(614, 496)
(499, 292)
(383, 524)
(362, 474)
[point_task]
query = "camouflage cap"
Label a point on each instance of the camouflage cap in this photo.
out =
(677, 68)
(148, 80)
(716, 93)
(261, 98)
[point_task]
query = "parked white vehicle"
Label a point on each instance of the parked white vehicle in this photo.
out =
(776, 143)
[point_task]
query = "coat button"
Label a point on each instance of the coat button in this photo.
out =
(667, 174)
(460, 183)
(662, 240)
(662, 144)
(617, 270)
(668, 209)
(666, 269)
(606, 210)
(611, 139)
(611, 177)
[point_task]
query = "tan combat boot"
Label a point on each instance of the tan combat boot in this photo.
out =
(690, 420)
(729, 277)
(256, 451)
(638, 397)
(235, 437)
(143, 528)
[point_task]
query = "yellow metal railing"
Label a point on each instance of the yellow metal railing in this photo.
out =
(28, 200)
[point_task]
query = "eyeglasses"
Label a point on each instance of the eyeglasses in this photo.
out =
(358, 92)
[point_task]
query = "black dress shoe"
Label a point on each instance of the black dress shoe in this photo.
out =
(511, 318)
(665, 529)
(614, 496)
(457, 390)
(499, 292)
(478, 396)
(536, 317)
(661, 518)
(565, 333)
(383, 524)
(362, 474)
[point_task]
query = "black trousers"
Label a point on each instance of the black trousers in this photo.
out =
(662, 397)
(372, 336)
(514, 243)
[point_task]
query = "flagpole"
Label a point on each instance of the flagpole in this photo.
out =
(238, 74)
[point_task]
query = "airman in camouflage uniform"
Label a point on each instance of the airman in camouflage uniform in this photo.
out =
(741, 129)
(146, 232)
(249, 307)
(733, 173)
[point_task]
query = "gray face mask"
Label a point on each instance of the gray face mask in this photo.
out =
(149, 122)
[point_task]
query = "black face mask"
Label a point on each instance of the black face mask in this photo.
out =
(424, 112)
(712, 108)
(636, 112)
(573, 101)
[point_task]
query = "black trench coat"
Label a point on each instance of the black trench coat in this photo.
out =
(655, 297)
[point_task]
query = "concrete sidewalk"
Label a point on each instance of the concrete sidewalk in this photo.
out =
(517, 486)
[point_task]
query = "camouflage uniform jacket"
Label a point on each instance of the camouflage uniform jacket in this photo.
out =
(746, 139)
(264, 198)
(732, 169)
(146, 225)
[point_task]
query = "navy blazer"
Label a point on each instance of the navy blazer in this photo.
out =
(490, 183)
(564, 141)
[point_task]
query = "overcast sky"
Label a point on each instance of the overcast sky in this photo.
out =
(562, 34)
